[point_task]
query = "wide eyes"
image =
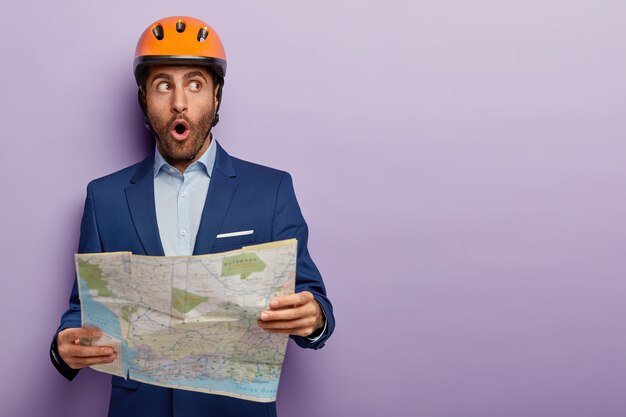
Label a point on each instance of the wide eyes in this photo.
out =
(164, 86)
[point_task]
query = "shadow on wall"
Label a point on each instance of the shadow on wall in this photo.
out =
(141, 140)
(87, 394)
(299, 381)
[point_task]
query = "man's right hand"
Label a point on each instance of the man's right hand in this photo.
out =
(78, 356)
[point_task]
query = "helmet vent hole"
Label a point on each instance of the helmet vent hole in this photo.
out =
(180, 26)
(157, 31)
(203, 33)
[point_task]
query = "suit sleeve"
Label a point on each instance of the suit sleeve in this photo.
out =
(89, 243)
(289, 223)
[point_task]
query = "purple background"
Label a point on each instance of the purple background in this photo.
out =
(460, 164)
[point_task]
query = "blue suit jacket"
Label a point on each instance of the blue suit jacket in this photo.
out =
(120, 215)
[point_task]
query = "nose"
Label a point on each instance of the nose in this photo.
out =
(179, 101)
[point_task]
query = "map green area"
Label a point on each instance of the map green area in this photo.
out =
(184, 302)
(93, 275)
(190, 322)
(242, 264)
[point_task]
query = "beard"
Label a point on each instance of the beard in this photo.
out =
(186, 151)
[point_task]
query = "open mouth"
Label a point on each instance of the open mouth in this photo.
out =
(180, 129)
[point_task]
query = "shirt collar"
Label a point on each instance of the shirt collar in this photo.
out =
(205, 162)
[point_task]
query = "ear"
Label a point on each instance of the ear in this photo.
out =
(216, 95)
(141, 97)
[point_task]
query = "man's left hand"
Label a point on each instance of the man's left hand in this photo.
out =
(297, 314)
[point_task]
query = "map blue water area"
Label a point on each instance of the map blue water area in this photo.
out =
(98, 315)
(261, 390)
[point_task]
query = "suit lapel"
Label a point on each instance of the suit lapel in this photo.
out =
(140, 199)
(221, 191)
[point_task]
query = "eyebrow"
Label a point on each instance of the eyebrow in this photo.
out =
(169, 78)
(194, 74)
(162, 75)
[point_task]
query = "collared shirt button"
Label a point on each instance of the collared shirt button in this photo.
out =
(183, 232)
(182, 193)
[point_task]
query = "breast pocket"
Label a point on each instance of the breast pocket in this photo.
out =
(226, 241)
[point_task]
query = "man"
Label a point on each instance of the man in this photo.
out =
(190, 197)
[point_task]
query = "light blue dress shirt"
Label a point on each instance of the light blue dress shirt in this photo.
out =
(179, 199)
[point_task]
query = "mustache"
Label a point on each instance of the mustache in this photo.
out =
(179, 116)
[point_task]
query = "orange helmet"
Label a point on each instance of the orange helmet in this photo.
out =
(180, 40)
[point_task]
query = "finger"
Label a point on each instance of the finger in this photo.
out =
(81, 351)
(69, 335)
(287, 313)
(71, 353)
(94, 360)
(289, 324)
(302, 331)
(291, 300)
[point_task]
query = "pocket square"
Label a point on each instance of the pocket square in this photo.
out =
(233, 234)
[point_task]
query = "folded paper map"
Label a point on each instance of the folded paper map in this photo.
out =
(190, 322)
